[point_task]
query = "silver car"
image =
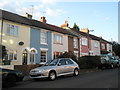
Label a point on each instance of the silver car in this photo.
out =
(57, 67)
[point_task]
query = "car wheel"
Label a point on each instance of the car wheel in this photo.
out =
(52, 76)
(112, 66)
(76, 72)
(11, 81)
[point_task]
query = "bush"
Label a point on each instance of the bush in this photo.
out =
(87, 62)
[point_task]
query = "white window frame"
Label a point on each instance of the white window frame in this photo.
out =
(12, 30)
(75, 42)
(84, 41)
(13, 52)
(96, 44)
(46, 50)
(33, 61)
(57, 39)
(43, 37)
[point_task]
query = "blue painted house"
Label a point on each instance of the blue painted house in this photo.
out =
(41, 41)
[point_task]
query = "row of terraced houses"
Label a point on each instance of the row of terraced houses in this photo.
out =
(30, 41)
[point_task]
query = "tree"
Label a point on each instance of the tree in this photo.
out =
(76, 27)
(116, 48)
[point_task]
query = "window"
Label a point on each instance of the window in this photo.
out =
(56, 54)
(69, 61)
(43, 56)
(58, 39)
(12, 30)
(84, 41)
(76, 54)
(96, 43)
(103, 46)
(11, 55)
(62, 62)
(75, 43)
(32, 56)
(43, 37)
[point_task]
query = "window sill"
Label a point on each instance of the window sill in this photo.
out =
(58, 43)
(44, 43)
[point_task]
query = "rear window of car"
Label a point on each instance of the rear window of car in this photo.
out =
(68, 61)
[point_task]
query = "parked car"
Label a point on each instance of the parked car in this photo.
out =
(10, 77)
(57, 67)
(108, 61)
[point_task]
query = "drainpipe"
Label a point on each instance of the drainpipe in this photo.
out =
(1, 33)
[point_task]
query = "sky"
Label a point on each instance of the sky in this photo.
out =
(102, 17)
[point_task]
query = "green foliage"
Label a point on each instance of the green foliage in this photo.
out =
(116, 48)
(76, 27)
(87, 62)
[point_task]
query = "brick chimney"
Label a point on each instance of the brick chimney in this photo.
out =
(86, 30)
(29, 16)
(43, 19)
(65, 24)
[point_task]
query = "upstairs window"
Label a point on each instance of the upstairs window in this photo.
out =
(75, 43)
(12, 30)
(43, 37)
(58, 39)
(84, 41)
(96, 44)
(103, 46)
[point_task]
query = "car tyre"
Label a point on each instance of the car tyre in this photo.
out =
(11, 81)
(112, 66)
(76, 72)
(52, 76)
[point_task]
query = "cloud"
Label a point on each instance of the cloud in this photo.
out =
(107, 18)
(48, 1)
(40, 9)
(55, 12)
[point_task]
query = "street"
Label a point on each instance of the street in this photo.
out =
(102, 79)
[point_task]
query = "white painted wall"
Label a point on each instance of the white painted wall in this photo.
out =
(59, 47)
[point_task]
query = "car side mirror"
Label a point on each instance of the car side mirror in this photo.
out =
(59, 64)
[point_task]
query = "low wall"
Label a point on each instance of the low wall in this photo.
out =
(7, 66)
(26, 68)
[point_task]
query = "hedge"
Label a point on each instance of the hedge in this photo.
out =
(87, 62)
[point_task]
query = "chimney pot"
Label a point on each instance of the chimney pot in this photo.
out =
(43, 19)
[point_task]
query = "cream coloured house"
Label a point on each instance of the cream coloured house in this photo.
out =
(16, 38)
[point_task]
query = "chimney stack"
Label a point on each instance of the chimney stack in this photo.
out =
(86, 30)
(43, 19)
(65, 24)
(29, 16)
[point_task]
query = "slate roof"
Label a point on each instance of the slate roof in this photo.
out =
(5, 15)
(31, 22)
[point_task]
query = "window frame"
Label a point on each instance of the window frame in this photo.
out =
(75, 42)
(42, 38)
(12, 30)
(57, 39)
(85, 41)
(45, 57)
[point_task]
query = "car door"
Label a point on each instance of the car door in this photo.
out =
(61, 67)
(70, 66)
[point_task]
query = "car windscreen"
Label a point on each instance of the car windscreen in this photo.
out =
(53, 63)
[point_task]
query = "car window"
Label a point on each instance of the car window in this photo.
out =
(68, 61)
(53, 63)
(62, 62)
